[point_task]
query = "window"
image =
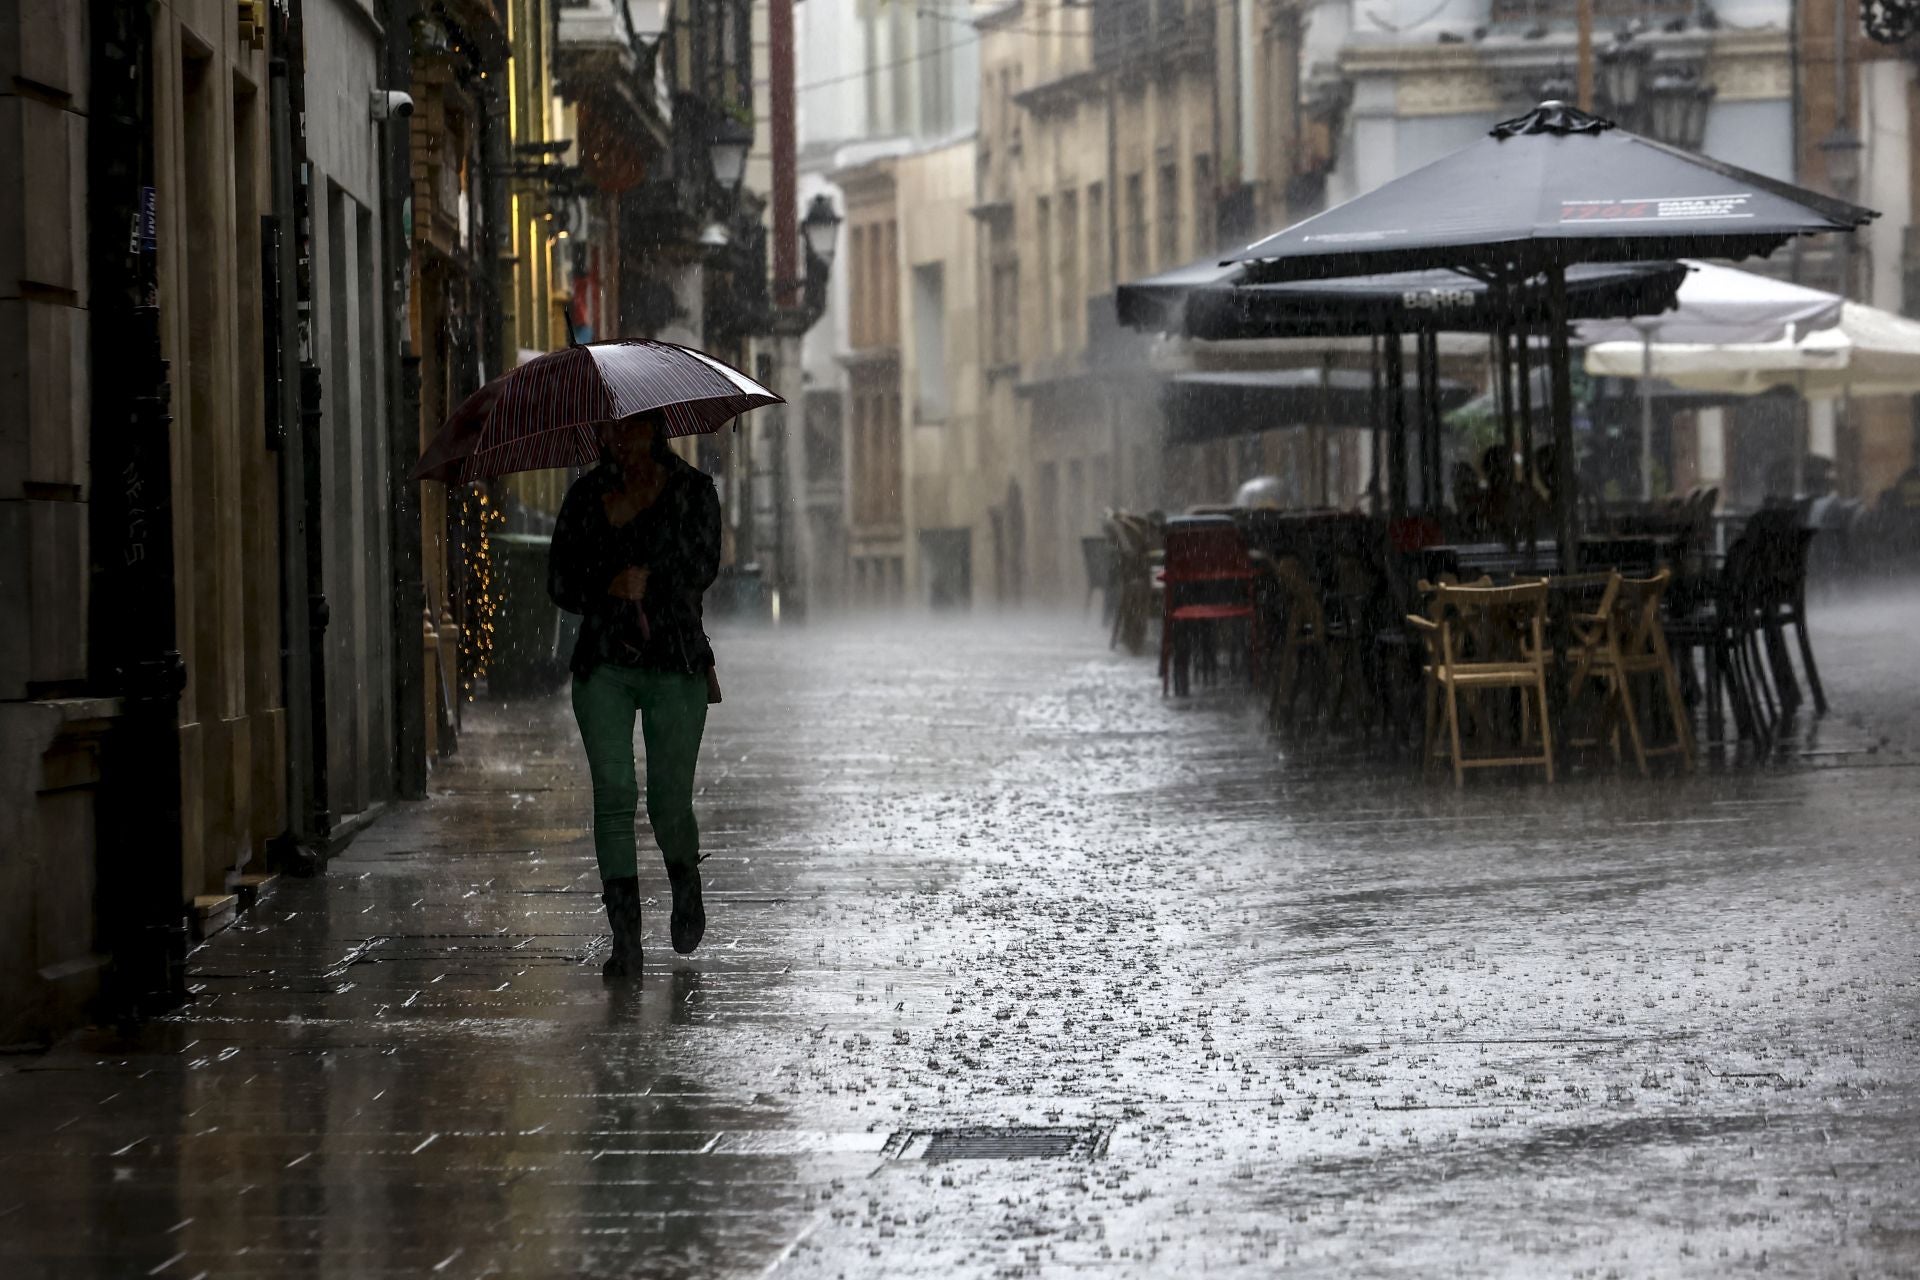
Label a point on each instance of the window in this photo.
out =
(936, 73)
(1204, 205)
(1097, 238)
(931, 402)
(890, 283)
(1167, 209)
(1043, 240)
(1076, 501)
(1136, 225)
(1002, 317)
(859, 324)
(1071, 301)
(1047, 542)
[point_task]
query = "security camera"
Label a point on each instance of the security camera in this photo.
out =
(391, 104)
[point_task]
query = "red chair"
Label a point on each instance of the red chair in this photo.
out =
(1208, 579)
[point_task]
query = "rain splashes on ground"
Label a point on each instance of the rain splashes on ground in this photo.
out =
(1278, 1008)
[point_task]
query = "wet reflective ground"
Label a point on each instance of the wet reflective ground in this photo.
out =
(1313, 1015)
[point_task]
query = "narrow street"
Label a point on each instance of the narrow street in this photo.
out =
(1270, 1011)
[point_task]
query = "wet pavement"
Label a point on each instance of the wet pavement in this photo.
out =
(1279, 1009)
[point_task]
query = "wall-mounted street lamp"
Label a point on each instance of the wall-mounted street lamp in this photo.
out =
(1623, 77)
(1664, 100)
(727, 148)
(821, 229)
(1677, 107)
(1840, 150)
(1890, 21)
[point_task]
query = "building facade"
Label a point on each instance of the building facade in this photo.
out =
(1105, 155)
(300, 234)
(52, 718)
(879, 82)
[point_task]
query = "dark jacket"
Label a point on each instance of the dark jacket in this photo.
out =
(677, 540)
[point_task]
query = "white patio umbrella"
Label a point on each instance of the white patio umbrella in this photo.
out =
(1870, 352)
(1717, 310)
(1718, 305)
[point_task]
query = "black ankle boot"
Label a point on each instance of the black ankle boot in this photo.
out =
(622, 897)
(689, 914)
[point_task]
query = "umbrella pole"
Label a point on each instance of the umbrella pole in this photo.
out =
(1433, 486)
(1397, 440)
(1566, 515)
(1502, 388)
(1523, 352)
(1320, 431)
(1378, 434)
(1523, 468)
(1425, 443)
(1646, 410)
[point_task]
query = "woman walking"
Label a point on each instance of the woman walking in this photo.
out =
(636, 545)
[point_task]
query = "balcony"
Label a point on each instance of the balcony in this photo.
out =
(1133, 32)
(605, 32)
(603, 57)
(1607, 14)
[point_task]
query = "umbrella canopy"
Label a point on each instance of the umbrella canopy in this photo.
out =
(1726, 305)
(1217, 303)
(1555, 186)
(546, 413)
(1868, 352)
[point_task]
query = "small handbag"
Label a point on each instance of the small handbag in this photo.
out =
(713, 686)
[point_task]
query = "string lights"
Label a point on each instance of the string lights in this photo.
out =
(476, 639)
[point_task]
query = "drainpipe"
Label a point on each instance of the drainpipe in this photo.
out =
(403, 418)
(132, 653)
(787, 468)
(301, 848)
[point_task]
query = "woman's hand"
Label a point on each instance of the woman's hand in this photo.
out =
(629, 584)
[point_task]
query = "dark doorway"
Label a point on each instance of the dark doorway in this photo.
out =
(947, 555)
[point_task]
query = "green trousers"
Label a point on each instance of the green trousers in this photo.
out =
(673, 714)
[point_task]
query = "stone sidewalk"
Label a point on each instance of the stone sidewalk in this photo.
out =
(976, 890)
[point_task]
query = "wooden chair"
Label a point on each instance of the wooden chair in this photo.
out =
(1096, 553)
(1299, 640)
(1624, 639)
(1132, 539)
(1483, 639)
(1588, 632)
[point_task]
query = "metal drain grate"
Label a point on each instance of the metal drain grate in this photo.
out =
(1009, 1142)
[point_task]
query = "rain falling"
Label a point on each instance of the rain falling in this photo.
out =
(931, 638)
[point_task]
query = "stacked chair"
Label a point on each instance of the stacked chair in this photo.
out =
(1619, 641)
(1131, 585)
(1736, 618)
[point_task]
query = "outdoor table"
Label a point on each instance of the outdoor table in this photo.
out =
(1468, 560)
(1634, 554)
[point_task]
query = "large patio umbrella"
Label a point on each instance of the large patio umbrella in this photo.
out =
(1868, 352)
(1542, 192)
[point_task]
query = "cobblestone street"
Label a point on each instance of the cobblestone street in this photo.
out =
(1280, 1011)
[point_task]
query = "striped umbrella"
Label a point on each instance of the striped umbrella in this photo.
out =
(547, 412)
